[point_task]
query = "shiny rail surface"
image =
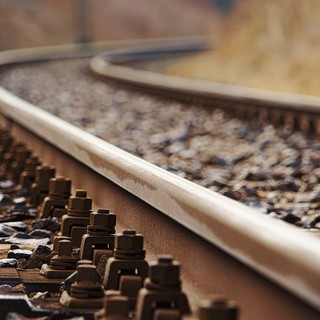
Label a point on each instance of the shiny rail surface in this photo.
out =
(268, 267)
(279, 106)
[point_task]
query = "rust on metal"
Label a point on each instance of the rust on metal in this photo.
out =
(55, 204)
(99, 236)
(128, 259)
(162, 290)
(61, 265)
(87, 291)
(28, 175)
(74, 223)
(114, 308)
(40, 188)
(218, 308)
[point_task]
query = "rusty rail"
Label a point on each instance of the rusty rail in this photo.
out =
(223, 246)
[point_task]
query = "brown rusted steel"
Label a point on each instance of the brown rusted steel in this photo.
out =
(87, 291)
(57, 240)
(114, 308)
(28, 175)
(214, 230)
(162, 290)
(19, 163)
(55, 204)
(61, 265)
(99, 236)
(208, 259)
(33, 281)
(74, 223)
(40, 188)
(218, 308)
(9, 276)
(128, 259)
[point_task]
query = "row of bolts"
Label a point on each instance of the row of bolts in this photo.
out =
(101, 269)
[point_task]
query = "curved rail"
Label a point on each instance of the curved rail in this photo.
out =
(106, 65)
(141, 192)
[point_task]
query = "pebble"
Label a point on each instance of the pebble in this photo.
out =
(40, 234)
(6, 231)
(5, 200)
(8, 263)
(38, 257)
(264, 167)
(17, 225)
(41, 295)
(52, 225)
(19, 254)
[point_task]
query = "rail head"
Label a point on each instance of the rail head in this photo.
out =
(106, 65)
(265, 244)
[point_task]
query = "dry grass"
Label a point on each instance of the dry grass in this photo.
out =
(266, 44)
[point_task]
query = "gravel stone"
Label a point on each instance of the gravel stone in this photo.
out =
(267, 168)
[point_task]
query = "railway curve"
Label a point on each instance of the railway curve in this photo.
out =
(210, 235)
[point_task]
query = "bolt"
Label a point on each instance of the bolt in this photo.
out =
(116, 306)
(43, 174)
(32, 163)
(65, 248)
(129, 240)
(60, 186)
(165, 271)
(87, 274)
(218, 307)
(57, 241)
(102, 218)
(22, 154)
(80, 201)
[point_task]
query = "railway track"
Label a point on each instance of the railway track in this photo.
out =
(267, 266)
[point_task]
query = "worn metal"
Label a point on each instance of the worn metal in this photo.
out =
(87, 291)
(61, 265)
(218, 308)
(223, 238)
(18, 165)
(162, 290)
(40, 188)
(74, 223)
(99, 236)
(128, 259)
(55, 204)
(114, 308)
(28, 175)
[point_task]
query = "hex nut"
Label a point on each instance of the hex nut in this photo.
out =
(129, 240)
(64, 248)
(116, 306)
(60, 185)
(218, 307)
(103, 218)
(80, 201)
(87, 273)
(43, 174)
(165, 271)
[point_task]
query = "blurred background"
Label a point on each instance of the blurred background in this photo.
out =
(26, 23)
(266, 44)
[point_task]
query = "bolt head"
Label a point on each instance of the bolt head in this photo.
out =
(218, 307)
(87, 273)
(165, 271)
(64, 248)
(80, 202)
(116, 306)
(60, 185)
(102, 218)
(129, 240)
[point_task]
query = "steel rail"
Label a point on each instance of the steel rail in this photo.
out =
(215, 238)
(107, 65)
